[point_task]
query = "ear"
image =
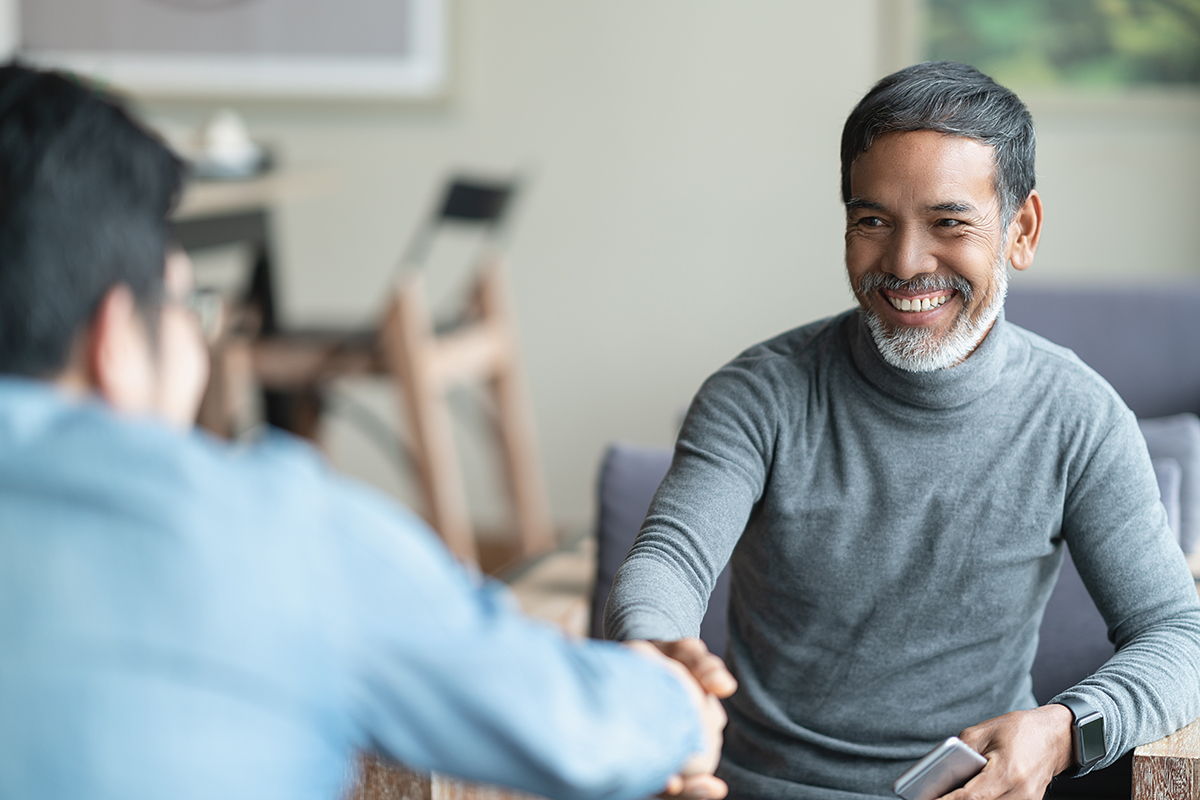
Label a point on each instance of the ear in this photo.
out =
(1024, 232)
(118, 353)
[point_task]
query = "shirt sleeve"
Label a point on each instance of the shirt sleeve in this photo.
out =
(448, 676)
(1116, 528)
(700, 510)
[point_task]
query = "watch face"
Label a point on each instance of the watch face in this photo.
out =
(1091, 738)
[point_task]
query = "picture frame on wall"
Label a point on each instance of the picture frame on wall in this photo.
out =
(351, 49)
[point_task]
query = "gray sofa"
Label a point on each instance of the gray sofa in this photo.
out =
(1144, 340)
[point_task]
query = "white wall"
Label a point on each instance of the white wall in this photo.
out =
(1117, 183)
(685, 201)
(8, 28)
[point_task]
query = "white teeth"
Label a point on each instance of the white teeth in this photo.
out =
(924, 304)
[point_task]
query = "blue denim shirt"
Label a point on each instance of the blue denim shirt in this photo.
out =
(187, 619)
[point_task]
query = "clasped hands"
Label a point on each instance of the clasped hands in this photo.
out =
(707, 681)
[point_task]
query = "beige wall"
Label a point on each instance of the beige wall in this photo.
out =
(8, 28)
(684, 201)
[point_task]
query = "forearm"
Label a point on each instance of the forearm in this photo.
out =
(652, 599)
(1150, 687)
(514, 703)
(446, 676)
(699, 512)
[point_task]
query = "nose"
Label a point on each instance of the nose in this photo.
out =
(909, 253)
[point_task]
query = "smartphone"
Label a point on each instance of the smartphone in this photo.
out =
(945, 768)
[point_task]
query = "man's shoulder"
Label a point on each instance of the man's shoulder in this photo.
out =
(779, 369)
(79, 448)
(799, 348)
(1059, 370)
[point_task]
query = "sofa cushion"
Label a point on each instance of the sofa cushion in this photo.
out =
(1177, 437)
(1170, 477)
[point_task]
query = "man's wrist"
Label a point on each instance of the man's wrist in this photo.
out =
(1089, 745)
(1063, 722)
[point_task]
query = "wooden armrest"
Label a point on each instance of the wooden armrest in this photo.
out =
(1169, 769)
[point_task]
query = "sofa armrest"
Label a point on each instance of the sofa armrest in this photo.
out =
(1169, 769)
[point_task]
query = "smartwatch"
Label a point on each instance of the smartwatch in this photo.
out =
(1087, 734)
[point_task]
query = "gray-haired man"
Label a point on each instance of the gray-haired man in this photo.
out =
(894, 486)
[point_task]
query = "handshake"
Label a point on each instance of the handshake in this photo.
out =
(707, 681)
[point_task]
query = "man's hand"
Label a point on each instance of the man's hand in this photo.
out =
(695, 780)
(708, 670)
(1024, 749)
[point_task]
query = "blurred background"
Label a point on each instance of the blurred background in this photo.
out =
(680, 174)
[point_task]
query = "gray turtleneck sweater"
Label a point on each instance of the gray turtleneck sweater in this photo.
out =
(894, 538)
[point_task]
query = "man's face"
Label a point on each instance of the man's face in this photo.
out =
(925, 246)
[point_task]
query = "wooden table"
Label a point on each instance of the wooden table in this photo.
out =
(1169, 769)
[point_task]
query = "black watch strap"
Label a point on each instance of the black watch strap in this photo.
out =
(1087, 732)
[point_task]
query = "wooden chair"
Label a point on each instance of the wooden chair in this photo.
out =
(424, 360)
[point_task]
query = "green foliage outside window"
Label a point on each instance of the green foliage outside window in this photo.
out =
(1077, 43)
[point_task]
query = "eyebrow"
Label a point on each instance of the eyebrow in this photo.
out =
(953, 206)
(858, 202)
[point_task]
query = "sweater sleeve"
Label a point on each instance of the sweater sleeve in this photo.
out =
(1116, 528)
(717, 475)
(445, 675)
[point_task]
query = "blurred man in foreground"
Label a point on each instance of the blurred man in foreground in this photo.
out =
(181, 618)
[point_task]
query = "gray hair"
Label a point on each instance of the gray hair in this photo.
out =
(955, 99)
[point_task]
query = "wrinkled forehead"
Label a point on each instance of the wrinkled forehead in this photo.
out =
(930, 165)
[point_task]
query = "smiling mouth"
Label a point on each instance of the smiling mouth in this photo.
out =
(919, 303)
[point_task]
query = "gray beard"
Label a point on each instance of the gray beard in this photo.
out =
(915, 349)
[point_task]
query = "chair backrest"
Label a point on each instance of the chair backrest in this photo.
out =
(1144, 340)
(479, 203)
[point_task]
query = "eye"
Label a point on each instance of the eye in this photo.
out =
(869, 222)
(950, 223)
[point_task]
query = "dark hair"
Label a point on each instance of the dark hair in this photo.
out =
(951, 98)
(84, 196)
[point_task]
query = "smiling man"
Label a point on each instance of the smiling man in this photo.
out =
(894, 487)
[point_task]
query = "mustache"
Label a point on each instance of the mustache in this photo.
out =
(875, 281)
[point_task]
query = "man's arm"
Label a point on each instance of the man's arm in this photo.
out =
(717, 475)
(1130, 561)
(446, 676)
(1115, 527)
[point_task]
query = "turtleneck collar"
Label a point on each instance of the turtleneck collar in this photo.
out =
(941, 389)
